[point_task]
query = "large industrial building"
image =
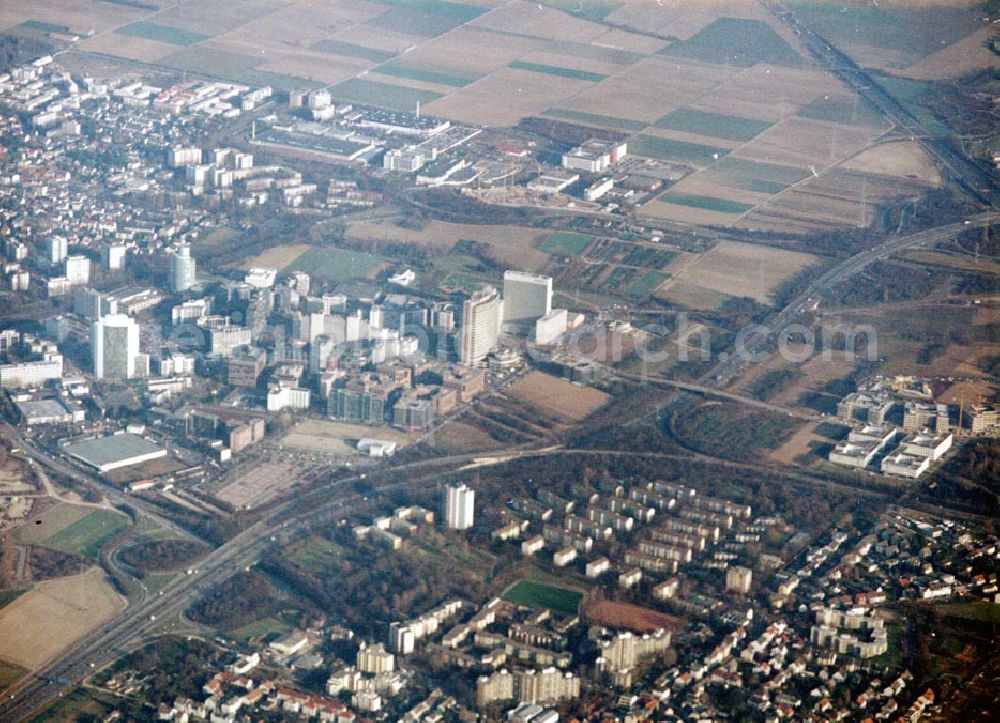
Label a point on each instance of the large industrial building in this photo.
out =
(120, 450)
(526, 298)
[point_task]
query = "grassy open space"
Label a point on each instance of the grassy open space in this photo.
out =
(742, 168)
(423, 75)
(665, 149)
(717, 125)
(339, 47)
(88, 535)
(849, 110)
(735, 41)
(9, 596)
(384, 95)
(44, 27)
(709, 203)
(540, 595)
(567, 243)
(409, 21)
(456, 11)
(647, 284)
(211, 62)
(268, 628)
(595, 10)
(161, 33)
(571, 73)
(596, 119)
(336, 265)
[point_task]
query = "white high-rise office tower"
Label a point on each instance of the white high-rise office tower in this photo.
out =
(114, 341)
(77, 269)
(459, 507)
(182, 269)
(526, 298)
(482, 314)
(58, 249)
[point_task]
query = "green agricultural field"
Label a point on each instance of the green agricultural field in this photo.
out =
(161, 33)
(665, 149)
(849, 110)
(708, 203)
(413, 22)
(618, 279)
(717, 125)
(647, 284)
(769, 187)
(456, 11)
(539, 595)
(211, 62)
(571, 73)
(913, 31)
(43, 27)
(596, 119)
(758, 170)
(87, 536)
(383, 95)
(914, 94)
(336, 265)
(595, 10)
(423, 75)
(338, 47)
(566, 243)
(735, 41)
(276, 80)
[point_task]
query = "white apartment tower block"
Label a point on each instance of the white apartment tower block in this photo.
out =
(459, 507)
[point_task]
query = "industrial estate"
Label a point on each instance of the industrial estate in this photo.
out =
(423, 360)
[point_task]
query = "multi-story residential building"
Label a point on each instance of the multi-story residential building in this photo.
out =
(459, 507)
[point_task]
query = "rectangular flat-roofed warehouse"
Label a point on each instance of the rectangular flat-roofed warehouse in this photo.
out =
(120, 450)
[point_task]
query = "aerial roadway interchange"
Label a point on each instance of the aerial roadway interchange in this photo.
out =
(136, 626)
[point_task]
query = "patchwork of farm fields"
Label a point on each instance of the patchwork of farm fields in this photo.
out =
(723, 91)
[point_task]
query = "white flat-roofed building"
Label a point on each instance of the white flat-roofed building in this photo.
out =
(114, 341)
(77, 269)
(459, 507)
(527, 297)
(862, 446)
(598, 189)
(564, 556)
(260, 277)
(596, 568)
(550, 327)
(32, 373)
(45, 411)
(119, 450)
(916, 453)
(287, 397)
(377, 447)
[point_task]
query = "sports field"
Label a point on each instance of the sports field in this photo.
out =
(335, 265)
(89, 534)
(566, 242)
(538, 595)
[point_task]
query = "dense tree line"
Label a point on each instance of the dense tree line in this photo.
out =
(238, 601)
(161, 555)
